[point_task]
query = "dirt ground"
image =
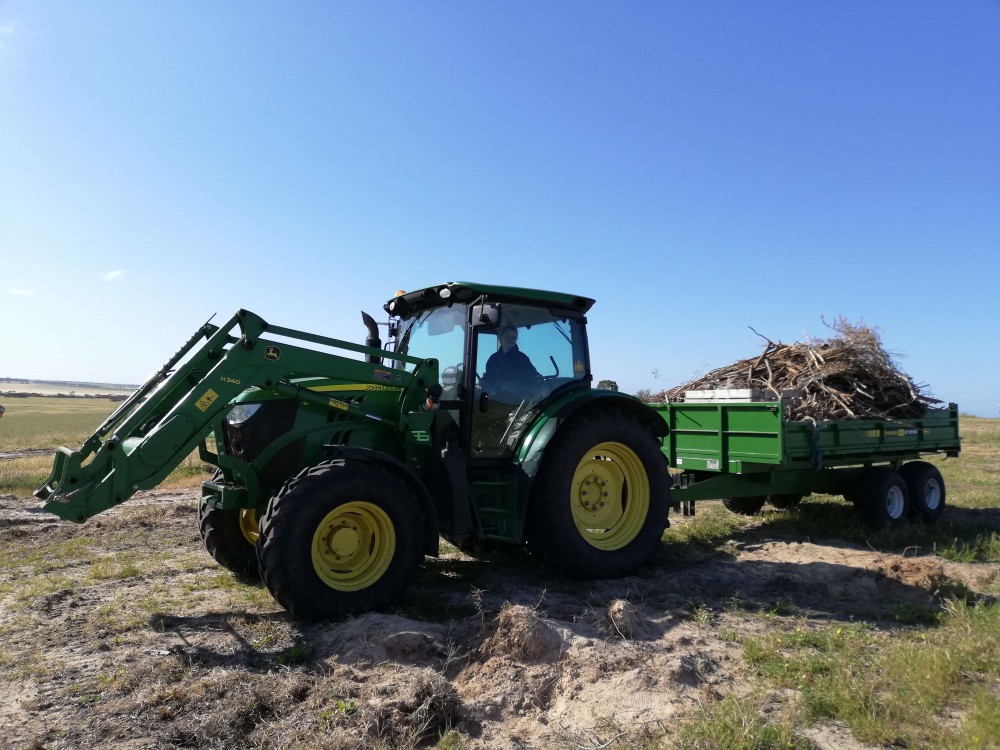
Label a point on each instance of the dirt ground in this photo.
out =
(166, 650)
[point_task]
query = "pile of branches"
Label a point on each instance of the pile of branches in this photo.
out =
(847, 376)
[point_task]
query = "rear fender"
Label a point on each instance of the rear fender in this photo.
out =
(531, 450)
(409, 477)
(553, 415)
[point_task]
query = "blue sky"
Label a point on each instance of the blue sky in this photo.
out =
(698, 168)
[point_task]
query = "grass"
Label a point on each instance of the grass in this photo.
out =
(47, 423)
(932, 682)
(738, 724)
(893, 688)
(930, 678)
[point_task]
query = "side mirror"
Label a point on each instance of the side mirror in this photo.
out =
(486, 315)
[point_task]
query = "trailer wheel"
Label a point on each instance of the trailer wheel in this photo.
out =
(341, 537)
(784, 502)
(746, 506)
(230, 536)
(882, 498)
(926, 487)
(599, 504)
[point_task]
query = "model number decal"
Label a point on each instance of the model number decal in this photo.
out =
(234, 381)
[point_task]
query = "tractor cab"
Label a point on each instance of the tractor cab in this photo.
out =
(502, 352)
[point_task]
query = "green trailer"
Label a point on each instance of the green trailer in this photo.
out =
(746, 453)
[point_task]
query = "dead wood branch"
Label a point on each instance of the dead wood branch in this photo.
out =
(847, 376)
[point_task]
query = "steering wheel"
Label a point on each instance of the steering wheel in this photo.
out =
(514, 391)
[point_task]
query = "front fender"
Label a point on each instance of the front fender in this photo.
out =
(409, 477)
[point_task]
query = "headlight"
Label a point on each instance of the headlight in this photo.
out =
(241, 413)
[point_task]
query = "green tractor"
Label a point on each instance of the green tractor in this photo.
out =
(340, 466)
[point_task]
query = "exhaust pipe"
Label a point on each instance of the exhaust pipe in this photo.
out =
(373, 340)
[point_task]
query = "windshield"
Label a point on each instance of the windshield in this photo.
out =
(435, 334)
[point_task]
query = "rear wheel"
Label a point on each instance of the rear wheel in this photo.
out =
(230, 537)
(882, 498)
(926, 487)
(599, 505)
(341, 537)
(746, 506)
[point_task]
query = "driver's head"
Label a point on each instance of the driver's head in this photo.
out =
(508, 337)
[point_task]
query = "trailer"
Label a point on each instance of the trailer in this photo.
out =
(746, 453)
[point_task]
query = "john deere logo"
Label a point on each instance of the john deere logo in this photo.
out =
(272, 353)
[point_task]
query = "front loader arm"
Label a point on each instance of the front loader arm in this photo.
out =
(173, 412)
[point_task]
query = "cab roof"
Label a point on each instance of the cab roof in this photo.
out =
(466, 291)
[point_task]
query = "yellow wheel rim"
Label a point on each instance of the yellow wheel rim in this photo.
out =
(353, 546)
(248, 525)
(609, 496)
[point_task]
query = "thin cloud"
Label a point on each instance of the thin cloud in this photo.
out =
(113, 275)
(22, 292)
(6, 33)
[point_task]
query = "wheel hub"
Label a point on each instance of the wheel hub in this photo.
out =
(344, 542)
(932, 494)
(248, 525)
(353, 546)
(895, 502)
(599, 496)
(609, 496)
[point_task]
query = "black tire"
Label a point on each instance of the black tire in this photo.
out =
(784, 502)
(926, 487)
(230, 537)
(882, 498)
(745, 506)
(599, 504)
(341, 537)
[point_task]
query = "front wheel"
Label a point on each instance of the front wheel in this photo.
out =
(230, 537)
(599, 505)
(926, 487)
(341, 537)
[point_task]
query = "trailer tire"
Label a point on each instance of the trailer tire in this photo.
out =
(599, 504)
(745, 506)
(341, 537)
(883, 499)
(230, 537)
(784, 502)
(926, 487)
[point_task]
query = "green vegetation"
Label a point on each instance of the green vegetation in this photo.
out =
(934, 681)
(738, 724)
(922, 673)
(48, 422)
(894, 688)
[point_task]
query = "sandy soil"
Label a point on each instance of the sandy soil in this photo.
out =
(177, 654)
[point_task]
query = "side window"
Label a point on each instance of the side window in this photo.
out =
(549, 347)
(554, 347)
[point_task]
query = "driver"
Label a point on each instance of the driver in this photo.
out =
(508, 367)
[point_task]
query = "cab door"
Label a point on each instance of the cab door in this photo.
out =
(555, 345)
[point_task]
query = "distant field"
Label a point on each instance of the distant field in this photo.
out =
(51, 389)
(41, 422)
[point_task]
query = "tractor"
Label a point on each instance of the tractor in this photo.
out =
(340, 466)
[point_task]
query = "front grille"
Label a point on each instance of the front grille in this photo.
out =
(273, 419)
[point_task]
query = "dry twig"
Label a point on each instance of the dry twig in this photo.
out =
(848, 376)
